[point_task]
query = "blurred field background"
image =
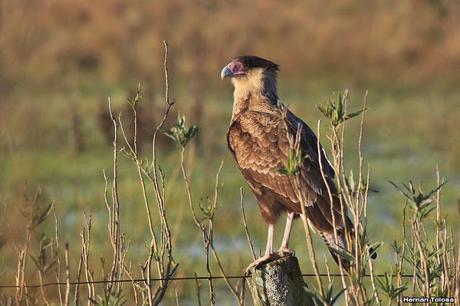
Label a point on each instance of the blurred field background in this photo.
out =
(60, 60)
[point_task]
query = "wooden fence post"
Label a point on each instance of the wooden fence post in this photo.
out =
(278, 283)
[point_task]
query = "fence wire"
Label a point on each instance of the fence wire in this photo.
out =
(178, 278)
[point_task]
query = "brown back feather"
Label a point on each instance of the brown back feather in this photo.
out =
(259, 143)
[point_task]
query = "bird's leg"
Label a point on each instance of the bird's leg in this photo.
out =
(269, 248)
(284, 249)
(269, 254)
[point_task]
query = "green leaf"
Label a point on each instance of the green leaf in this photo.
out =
(43, 215)
(315, 296)
(354, 114)
(36, 262)
(334, 110)
(339, 107)
(337, 296)
(180, 133)
(293, 163)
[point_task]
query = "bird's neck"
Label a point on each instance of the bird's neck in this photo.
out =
(254, 90)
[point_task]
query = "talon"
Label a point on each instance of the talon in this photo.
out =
(262, 260)
(282, 252)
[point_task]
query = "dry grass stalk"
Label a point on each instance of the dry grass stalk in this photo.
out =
(20, 277)
(58, 257)
(76, 297)
(85, 235)
(245, 225)
(67, 275)
(198, 290)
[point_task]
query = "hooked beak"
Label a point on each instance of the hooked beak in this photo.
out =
(226, 72)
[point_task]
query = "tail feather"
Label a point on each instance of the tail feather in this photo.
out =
(341, 246)
(335, 247)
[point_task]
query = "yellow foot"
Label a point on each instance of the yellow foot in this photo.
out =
(262, 260)
(285, 252)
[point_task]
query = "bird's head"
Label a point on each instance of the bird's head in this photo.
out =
(251, 73)
(247, 66)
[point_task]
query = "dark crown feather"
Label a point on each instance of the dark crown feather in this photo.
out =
(251, 61)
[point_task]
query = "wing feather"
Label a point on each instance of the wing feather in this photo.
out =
(260, 146)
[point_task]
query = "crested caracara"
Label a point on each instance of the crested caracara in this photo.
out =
(258, 139)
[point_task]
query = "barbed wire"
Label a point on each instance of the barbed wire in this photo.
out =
(178, 278)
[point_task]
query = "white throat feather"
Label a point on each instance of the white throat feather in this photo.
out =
(256, 82)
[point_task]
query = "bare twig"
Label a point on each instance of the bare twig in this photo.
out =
(77, 286)
(198, 290)
(246, 230)
(86, 243)
(58, 257)
(67, 275)
(116, 237)
(133, 283)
